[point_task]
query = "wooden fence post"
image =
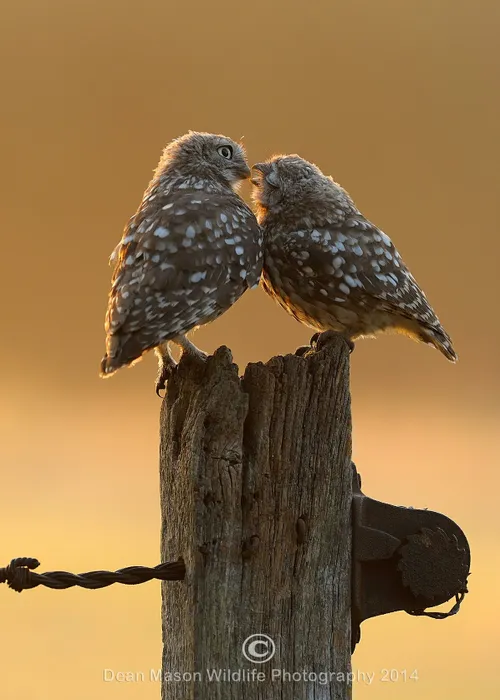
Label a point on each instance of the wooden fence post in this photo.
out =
(256, 496)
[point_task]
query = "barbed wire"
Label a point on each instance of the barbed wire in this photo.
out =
(19, 575)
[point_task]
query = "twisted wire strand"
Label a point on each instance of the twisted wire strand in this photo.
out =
(442, 615)
(19, 575)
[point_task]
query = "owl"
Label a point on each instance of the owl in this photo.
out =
(189, 252)
(330, 267)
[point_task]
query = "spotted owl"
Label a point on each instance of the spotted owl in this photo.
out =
(330, 267)
(189, 252)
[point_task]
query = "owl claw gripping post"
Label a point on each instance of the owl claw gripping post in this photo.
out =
(190, 251)
(329, 266)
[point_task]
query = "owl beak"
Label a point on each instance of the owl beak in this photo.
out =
(262, 169)
(267, 172)
(244, 171)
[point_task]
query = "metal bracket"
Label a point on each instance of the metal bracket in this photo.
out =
(403, 559)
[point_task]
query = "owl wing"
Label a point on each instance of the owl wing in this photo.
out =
(384, 280)
(184, 259)
(357, 263)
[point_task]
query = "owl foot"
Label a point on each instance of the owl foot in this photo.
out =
(321, 339)
(190, 349)
(164, 374)
(303, 349)
(166, 365)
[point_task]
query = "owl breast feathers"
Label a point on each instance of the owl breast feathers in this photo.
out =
(328, 266)
(187, 255)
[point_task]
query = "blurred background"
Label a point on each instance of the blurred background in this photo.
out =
(400, 102)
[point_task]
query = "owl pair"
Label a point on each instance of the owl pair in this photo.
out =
(194, 247)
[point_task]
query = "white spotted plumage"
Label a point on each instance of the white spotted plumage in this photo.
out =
(177, 265)
(330, 267)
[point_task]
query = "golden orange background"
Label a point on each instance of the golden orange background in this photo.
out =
(399, 101)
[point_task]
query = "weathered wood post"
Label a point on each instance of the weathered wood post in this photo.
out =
(256, 489)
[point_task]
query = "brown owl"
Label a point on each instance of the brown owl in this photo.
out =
(330, 267)
(190, 251)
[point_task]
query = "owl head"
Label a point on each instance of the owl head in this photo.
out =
(207, 156)
(284, 179)
(292, 184)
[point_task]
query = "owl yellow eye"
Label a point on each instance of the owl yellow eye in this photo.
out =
(226, 152)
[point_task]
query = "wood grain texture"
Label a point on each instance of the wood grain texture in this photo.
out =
(255, 496)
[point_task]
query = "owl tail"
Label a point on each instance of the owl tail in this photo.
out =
(120, 351)
(108, 367)
(437, 336)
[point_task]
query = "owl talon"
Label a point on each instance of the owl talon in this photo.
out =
(162, 379)
(320, 340)
(301, 351)
(166, 366)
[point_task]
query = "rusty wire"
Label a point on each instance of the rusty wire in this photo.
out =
(19, 575)
(442, 615)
